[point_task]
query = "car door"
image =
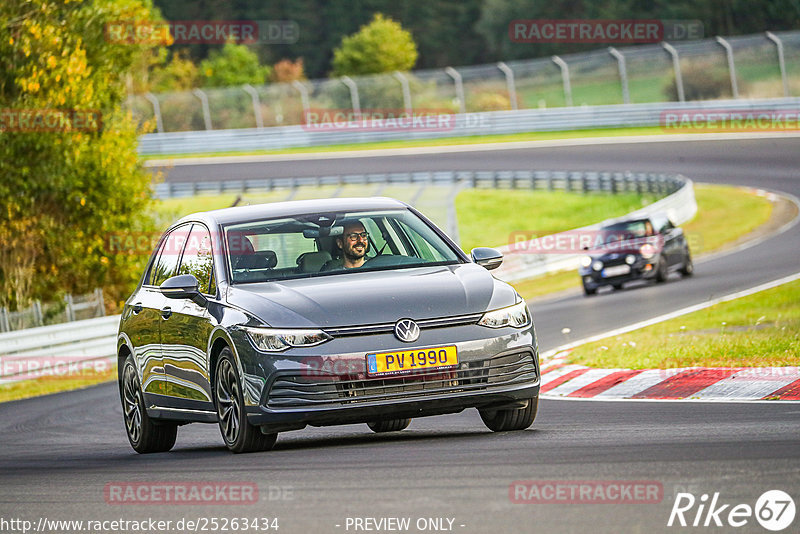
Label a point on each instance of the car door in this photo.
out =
(186, 331)
(144, 328)
(673, 240)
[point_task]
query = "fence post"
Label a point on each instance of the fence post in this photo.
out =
(731, 66)
(623, 73)
(250, 90)
(354, 100)
(565, 79)
(512, 89)
(4, 324)
(38, 318)
(69, 310)
(459, 83)
(156, 111)
(399, 76)
(781, 61)
(101, 305)
(676, 67)
(303, 90)
(204, 103)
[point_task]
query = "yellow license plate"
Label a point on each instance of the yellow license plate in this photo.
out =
(409, 361)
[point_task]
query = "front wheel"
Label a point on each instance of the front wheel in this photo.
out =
(393, 425)
(513, 419)
(146, 435)
(238, 434)
(661, 273)
(688, 266)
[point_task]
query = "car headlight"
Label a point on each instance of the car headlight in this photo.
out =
(630, 259)
(279, 339)
(586, 261)
(597, 265)
(516, 316)
(647, 251)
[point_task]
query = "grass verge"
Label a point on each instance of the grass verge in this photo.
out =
(54, 384)
(725, 214)
(759, 330)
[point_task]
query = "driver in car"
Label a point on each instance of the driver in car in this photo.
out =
(353, 246)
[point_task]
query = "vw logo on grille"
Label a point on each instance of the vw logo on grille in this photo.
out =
(406, 330)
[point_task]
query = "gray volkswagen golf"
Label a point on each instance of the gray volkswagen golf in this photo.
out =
(268, 318)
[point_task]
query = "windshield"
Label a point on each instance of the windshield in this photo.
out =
(332, 243)
(626, 231)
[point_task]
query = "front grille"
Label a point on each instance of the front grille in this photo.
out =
(387, 328)
(297, 391)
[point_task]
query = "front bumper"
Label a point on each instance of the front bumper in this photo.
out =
(335, 389)
(640, 270)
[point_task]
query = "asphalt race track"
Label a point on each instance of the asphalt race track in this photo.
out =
(58, 453)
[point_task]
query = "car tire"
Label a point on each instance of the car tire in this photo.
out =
(589, 291)
(688, 265)
(661, 272)
(146, 435)
(237, 433)
(392, 425)
(513, 419)
(616, 287)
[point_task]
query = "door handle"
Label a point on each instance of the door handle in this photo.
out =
(136, 308)
(166, 312)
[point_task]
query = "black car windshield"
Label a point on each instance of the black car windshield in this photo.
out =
(626, 231)
(330, 243)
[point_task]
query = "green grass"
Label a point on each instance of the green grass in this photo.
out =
(724, 215)
(493, 217)
(759, 330)
(446, 141)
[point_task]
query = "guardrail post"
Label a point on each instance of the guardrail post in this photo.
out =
(565, 79)
(459, 83)
(250, 90)
(4, 323)
(676, 67)
(354, 100)
(204, 103)
(781, 61)
(731, 65)
(623, 73)
(399, 76)
(512, 89)
(156, 111)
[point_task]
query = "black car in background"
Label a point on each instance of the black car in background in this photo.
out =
(646, 248)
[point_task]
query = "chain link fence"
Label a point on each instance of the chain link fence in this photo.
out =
(71, 308)
(754, 66)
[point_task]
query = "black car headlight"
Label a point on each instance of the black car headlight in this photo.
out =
(280, 339)
(516, 316)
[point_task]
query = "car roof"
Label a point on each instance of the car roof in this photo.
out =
(293, 208)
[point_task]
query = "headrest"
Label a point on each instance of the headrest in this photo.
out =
(312, 262)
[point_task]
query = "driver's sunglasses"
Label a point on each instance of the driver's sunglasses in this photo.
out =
(355, 235)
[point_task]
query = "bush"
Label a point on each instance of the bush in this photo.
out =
(380, 46)
(701, 81)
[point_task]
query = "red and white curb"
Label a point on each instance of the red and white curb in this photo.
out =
(562, 380)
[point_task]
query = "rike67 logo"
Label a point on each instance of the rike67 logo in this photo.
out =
(774, 510)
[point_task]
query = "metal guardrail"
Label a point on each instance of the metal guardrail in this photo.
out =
(465, 124)
(52, 350)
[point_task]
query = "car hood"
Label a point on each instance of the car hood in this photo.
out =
(362, 298)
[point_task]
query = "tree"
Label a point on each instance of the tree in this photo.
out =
(235, 64)
(67, 187)
(380, 46)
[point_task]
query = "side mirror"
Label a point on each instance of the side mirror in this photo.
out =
(183, 286)
(488, 258)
